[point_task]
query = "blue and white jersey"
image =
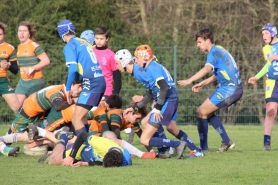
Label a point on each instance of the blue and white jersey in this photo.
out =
(224, 66)
(79, 52)
(151, 75)
(268, 50)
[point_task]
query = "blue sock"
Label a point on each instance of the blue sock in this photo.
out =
(203, 132)
(184, 137)
(63, 140)
(161, 134)
(218, 126)
(267, 139)
(158, 142)
(83, 129)
(87, 127)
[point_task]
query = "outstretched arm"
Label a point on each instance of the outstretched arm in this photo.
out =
(203, 72)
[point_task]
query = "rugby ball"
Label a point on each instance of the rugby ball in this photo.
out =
(36, 151)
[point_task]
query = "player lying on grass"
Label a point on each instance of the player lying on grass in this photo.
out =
(87, 150)
(35, 107)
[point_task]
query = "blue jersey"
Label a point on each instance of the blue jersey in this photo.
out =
(96, 148)
(268, 50)
(149, 77)
(89, 155)
(224, 66)
(80, 53)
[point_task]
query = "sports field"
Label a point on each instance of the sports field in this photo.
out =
(247, 163)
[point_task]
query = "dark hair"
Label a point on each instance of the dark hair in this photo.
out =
(3, 26)
(205, 34)
(143, 110)
(30, 26)
(113, 158)
(102, 31)
(114, 101)
(77, 80)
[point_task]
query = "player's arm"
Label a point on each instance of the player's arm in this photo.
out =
(203, 72)
(115, 122)
(162, 94)
(44, 60)
(13, 67)
(263, 71)
(209, 80)
(59, 105)
(117, 79)
(116, 130)
(146, 99)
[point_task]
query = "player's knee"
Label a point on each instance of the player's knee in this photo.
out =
(144, 141)
(270, 113)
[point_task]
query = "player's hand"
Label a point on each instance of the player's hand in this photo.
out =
(5, 64)
(197, 87)
(79, 163)
(69, 99)
(252, 80)
(130, 109)
(157, 114)
(28, 70)
(273, 57)
(32, 145)
(68, 161)
(184, 82)
(137, 98)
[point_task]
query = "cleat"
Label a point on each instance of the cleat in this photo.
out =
(226, 146)
(148, 155)
(64, 129)
(180, 149)
(32, 131)
(9, 151)
(164, 155)
(194, 153)
(69, 135)
(267, 147)
(44, 159)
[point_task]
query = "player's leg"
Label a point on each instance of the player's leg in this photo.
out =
(271, 112)
(84, 104)
(203, 112)
(8, 94)
(271, 98)
(163, 151)
(130, 148)
(12, 101)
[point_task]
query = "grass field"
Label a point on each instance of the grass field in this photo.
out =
(247, 163)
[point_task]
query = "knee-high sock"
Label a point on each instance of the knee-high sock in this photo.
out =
(218, 126)
(83, 129)
(203, 132)
(161, 134)
(10, 138)
(184, 137)
(132, 149)
(158, 142)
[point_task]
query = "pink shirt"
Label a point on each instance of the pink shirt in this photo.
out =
(108, 65)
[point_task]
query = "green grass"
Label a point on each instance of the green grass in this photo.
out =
(247, 163)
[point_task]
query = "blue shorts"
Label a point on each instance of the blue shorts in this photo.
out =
(91, 99)
(271, 91)
(168, 111)
(224, 96)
